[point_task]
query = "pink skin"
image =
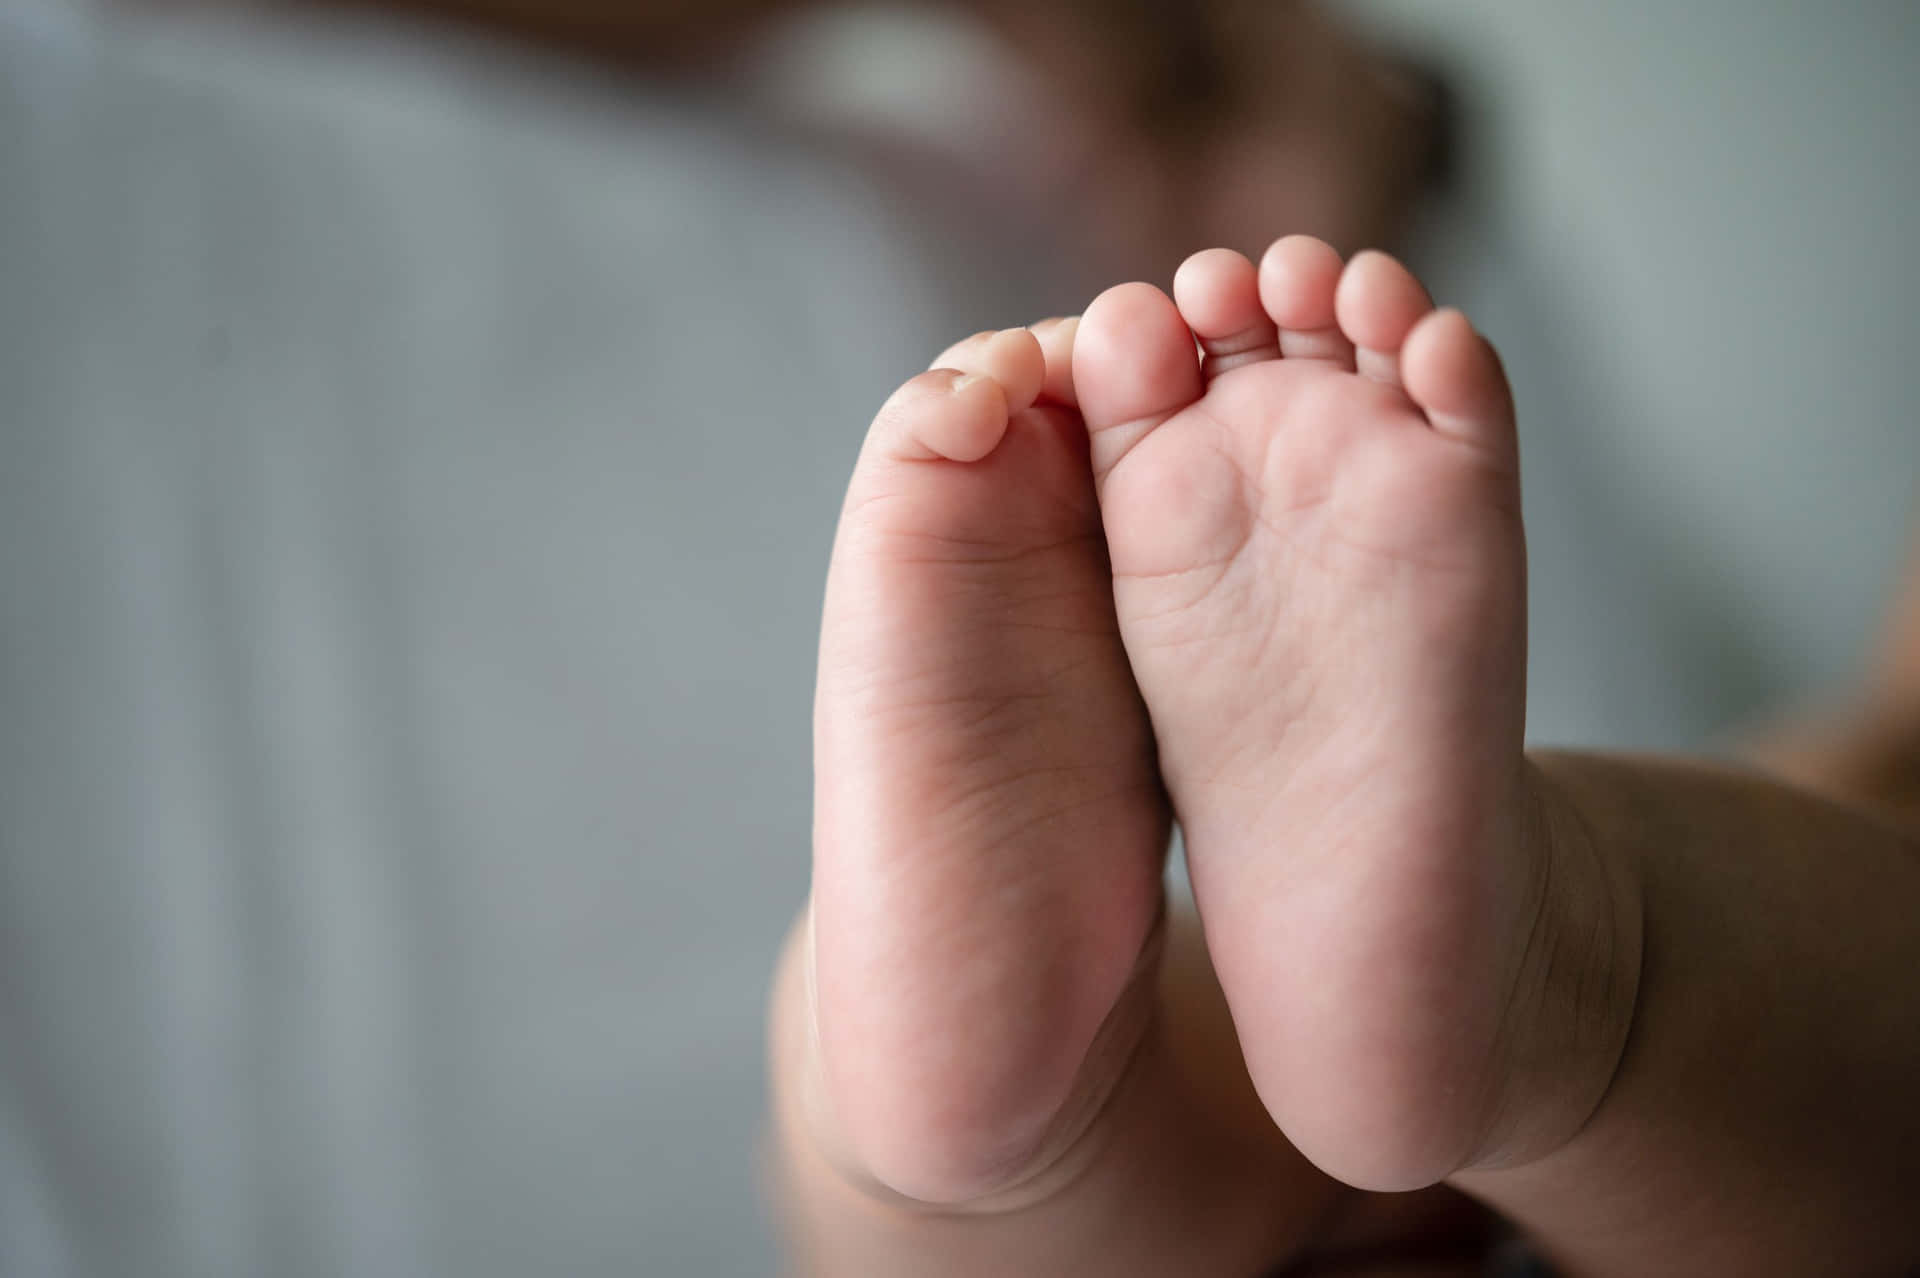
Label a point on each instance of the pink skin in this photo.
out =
(1317, 581)
(989, 824)
(1320, 577)
(1441, 959)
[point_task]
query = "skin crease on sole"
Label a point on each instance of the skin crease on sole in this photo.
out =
(1252, 554)
(990, 828)
(1320, 578)
(1307, 483)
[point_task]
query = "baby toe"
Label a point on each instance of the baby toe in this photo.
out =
(941, 415)
(1010, 356)
(1298, 276)
(1056, 337)
(1134, 366)
(1218, 293)
(1377, 303)
(1454, 375)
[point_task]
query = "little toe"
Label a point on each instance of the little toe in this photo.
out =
(1056, 337)
(1134, 366)
(1298, 275)
(1011, 356)
(958, 410)
(941, 415)
(1218, 293)
(1378, 302)
(1454, 375)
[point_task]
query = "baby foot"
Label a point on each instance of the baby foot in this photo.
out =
(1319, 570)
(989, 823)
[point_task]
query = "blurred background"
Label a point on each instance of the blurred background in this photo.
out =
(421, 431)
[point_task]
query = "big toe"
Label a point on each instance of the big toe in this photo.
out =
(1134, 365)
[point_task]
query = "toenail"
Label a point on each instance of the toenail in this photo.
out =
(1052, 322)
(963, 381)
